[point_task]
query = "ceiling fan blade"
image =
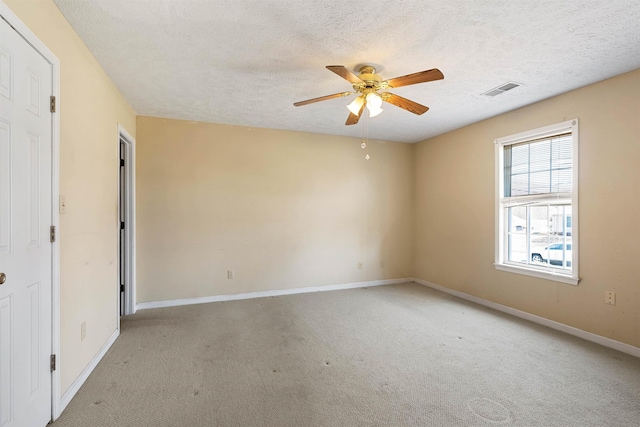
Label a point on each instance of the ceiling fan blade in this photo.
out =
(322, 98)
(344, 73)
(404, 103)
(420, 77)
(353, 119)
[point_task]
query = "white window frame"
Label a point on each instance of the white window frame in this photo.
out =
(571, 277)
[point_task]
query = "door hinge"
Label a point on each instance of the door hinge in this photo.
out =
(52, 233)
(53, 362)
(121, 162)
(121, 225)
(52, 104)
(121, 288)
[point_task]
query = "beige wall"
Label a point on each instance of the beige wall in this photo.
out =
(91, 108)
(282, 209)
(455, 190)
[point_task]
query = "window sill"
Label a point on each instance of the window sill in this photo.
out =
(539, 274)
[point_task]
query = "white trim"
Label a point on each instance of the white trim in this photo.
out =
(499, 212)
(588, 336)
(539, 133)
(73, 389)
(575, 202)
(573, 277)
(130, 230)
(547, 274)
(262, 294)
(55, 195)
(34, 41)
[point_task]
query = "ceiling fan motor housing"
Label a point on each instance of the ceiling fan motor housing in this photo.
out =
(369, 77)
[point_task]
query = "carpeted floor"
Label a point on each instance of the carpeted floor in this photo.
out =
(399, 355)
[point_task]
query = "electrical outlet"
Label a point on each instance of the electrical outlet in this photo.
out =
(83, 331)
(610, 298)
(360, 265)
(63, 204)
(230, 274)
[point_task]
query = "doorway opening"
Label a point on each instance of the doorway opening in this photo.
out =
(127, 232)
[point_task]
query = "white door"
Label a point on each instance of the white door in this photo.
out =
(25, 218)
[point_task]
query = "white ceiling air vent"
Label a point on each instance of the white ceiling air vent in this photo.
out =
(502, 88)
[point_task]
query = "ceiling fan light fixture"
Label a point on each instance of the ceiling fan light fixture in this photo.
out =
(356, 105)
(374, 104)
(374, 101)
(374, 111)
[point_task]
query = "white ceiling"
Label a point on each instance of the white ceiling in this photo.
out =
(245, 62)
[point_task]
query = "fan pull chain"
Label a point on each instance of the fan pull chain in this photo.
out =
(365, 143)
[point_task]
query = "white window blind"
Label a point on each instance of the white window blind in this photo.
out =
(538, 167)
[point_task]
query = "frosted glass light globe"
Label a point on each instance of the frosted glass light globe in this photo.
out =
(374, 102)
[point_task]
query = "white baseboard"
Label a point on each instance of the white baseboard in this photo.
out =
(73, 389)
(598, 339)
(262, 294)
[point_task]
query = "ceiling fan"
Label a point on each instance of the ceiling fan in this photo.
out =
(367, 85)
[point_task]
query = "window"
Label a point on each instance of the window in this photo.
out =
(537, 202)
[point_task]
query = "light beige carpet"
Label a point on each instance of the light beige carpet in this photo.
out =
(400, 355)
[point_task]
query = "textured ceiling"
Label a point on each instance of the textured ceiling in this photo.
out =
(245, 62)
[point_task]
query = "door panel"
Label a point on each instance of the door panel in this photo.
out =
(34, 190)
(35, 335)
(33, 93)
(6, 360)
(6, 72)
(25, 217)
(5, 187)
